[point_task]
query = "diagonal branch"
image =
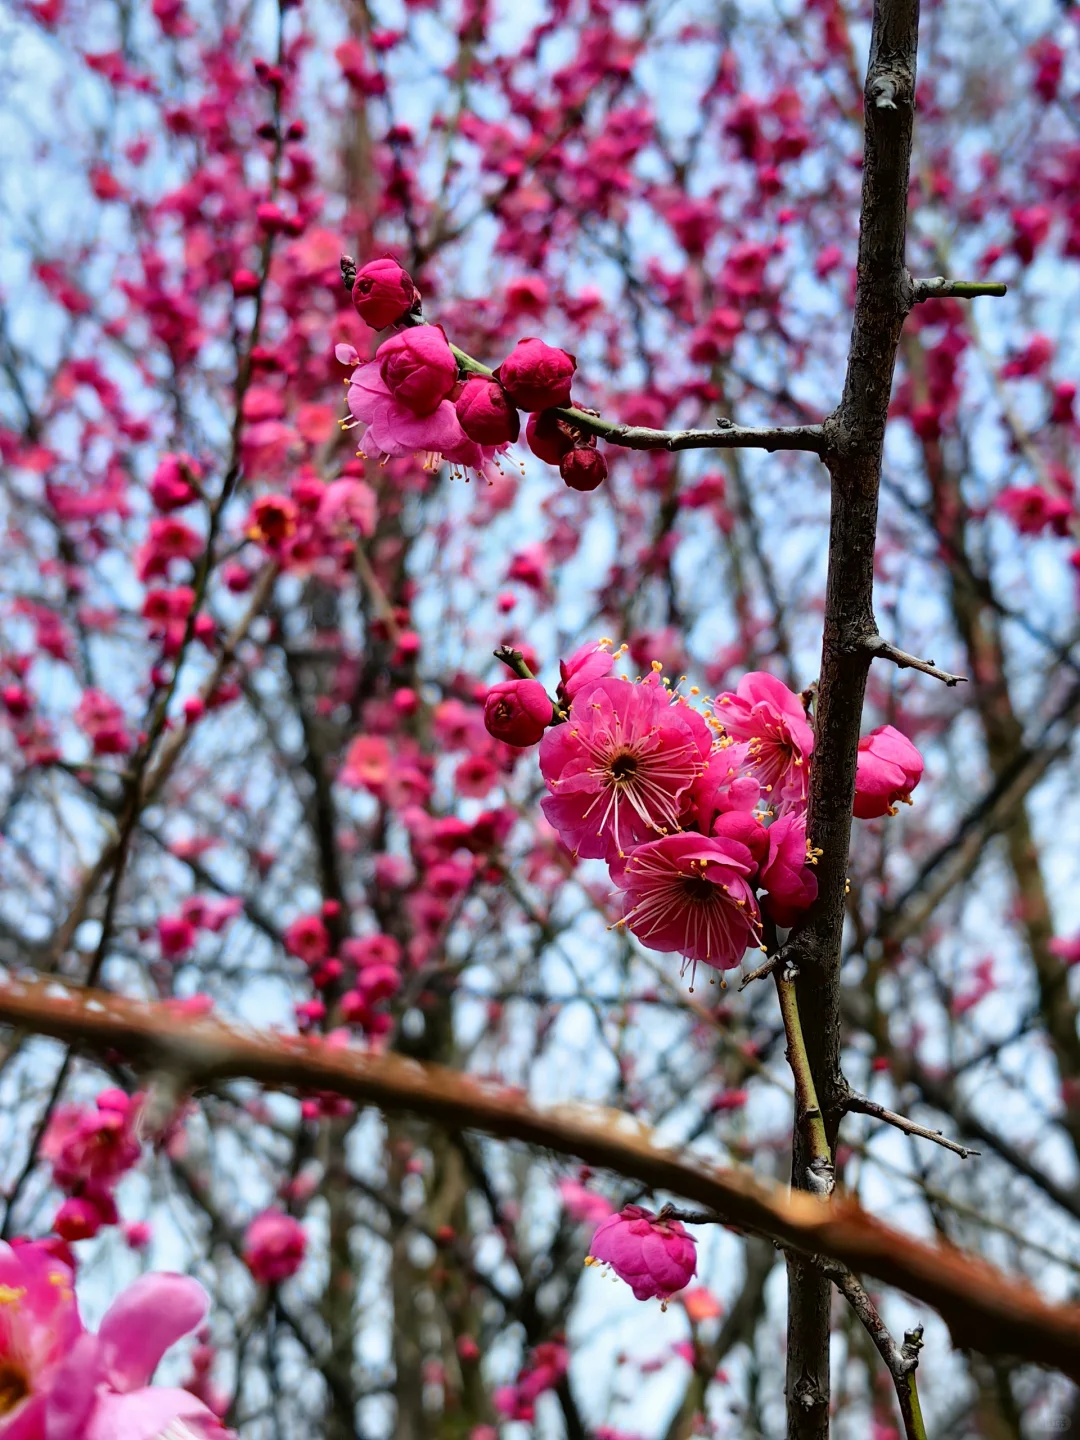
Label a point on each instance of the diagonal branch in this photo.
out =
(984, 1308)
(863, 1105)
(880, 648)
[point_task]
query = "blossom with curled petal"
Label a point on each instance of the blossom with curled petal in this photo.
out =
(889, 768)
(655, 1257)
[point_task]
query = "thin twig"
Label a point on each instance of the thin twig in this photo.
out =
(767, 967)
(938, 288)
(863, 1105)
(880, 647)
(901, 1361)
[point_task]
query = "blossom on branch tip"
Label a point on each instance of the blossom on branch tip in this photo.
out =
(655, 1257)
(619, 768)
(691, 895)
(889, 767)
(517, 712)
(383, 292)
(770, 717)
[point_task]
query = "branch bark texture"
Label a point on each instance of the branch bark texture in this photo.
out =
(856, 432)
(984, 1308)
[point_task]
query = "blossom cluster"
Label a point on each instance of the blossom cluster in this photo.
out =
(412, 400)
(701, 818)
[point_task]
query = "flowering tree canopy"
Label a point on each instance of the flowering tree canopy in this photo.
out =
(502, 929)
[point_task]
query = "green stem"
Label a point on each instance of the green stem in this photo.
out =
(911, 1409)
(809, 1111)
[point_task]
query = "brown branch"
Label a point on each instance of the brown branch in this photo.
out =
(984, 1308)
(900, 1360)
(863, 1105)
(726, 436)
(856, 434)
(880, 648)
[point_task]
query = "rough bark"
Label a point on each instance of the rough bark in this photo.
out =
(855, 434)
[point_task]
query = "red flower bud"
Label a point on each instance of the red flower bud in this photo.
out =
(548, 436)
(583, 469)
(536, 375)
(383, 292)
(418, 367)
(517, 712)
(485, 412)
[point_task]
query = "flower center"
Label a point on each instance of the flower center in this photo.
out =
(697, 888)
(623, 766)
(14, 1387)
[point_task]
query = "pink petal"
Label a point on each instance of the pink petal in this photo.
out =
(346, 355)
(71, 1393)
(142, 1323)
(144, 1414)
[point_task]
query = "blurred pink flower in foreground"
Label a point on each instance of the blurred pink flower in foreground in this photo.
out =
(61, 1382)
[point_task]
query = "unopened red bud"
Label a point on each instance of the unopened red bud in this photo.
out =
(583, 469)
(517, 712)
(548, 436)
(245, 282)
(383, 292)
(485, 412)
(537, 376)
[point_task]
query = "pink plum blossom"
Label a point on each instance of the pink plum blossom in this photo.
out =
(92, 1146)
(889, 768)
(619, 767)
(393, 429)
(39, 1324)
(655, 1257)
(583, 1204)
(764, 712)
(101, 1390)
(690, 894)
(589, 663)
(785, 872)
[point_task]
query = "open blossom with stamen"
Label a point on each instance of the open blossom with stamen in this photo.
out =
(618, 769)
(691, 894)
(655, 1257)
(764, 712)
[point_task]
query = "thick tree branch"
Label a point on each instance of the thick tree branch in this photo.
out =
(984, 1308)
(856, 433)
